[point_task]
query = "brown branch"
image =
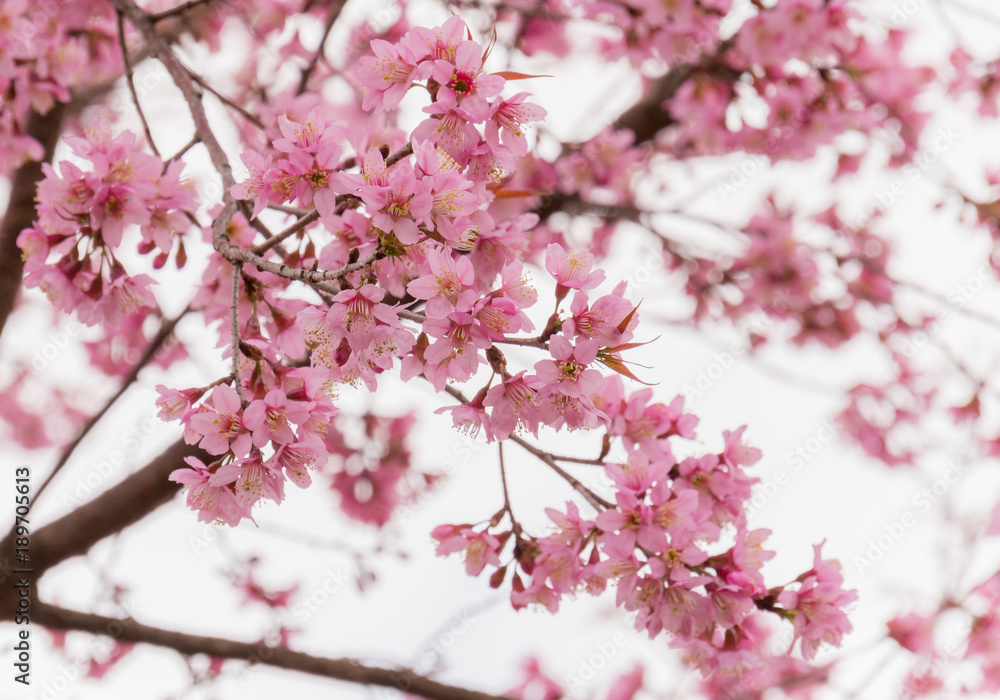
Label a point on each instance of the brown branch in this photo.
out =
(21, 207)
(348, 670)
(161, 337)
(290, 231)
(159, 48)
(180, 9)
(646, 117)
(130, 79)
(226, 101)
(185, 81)
(235, 332)
(120, 506)
(593, 499)
(330, 21)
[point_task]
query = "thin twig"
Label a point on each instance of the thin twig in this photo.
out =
(579, 460)
(592, 498)
(403, 152)
(411, 316)
(166, 330)
(525, 342)
(185, 81)
(235, 330)
(514, 525)
(308, 70)
(195, 140)
(226, 101)
(290, 231)
(286, 209)
(182, 79)
(131, 83)
(179, 10)
(596, 501)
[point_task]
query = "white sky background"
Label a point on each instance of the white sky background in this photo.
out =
(840, 495)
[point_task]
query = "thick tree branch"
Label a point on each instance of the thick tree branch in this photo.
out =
(348, 670)
(21, 208)
(120, 506)
(646, 117)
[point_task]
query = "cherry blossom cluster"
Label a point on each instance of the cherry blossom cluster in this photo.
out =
(672, 33)
(45, 50)
(659, 544)
(82, 218)
(439, 192)
(972, 646)
(411, 251)
(283, 437)
(290, 417)
(430, 280)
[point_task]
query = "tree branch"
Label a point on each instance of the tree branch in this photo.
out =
(130, 79)
(314, 61)
(120, 506)
(158, 341)
(21, 208)
(235, 332)
(347, 670)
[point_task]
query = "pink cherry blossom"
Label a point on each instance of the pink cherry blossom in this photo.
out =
(219, 428)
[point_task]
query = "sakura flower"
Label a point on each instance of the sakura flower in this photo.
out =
(568, 374)
(463, 84)
(269, 418)
(455, 352)
(516, 286)
(507, 119)
(309, 178)
(515, 405)
(500, 317)
(438, 43)
(114, 206)
(297, 458)
(213, 502)
(371, 495)
(449, 277)
(175, 402)
(536, 684)
(479, 548)
(251, 480)
(627, 685)
(220, 425)
(449, 129)
(736, 453)
(358, 312)
(470, 417)
(253, 591)
(400, 204)
(601, 321)
(818, 605)
(312, 135)
(913, 632)
(254, 186)
(388, 74)
(572, 271)
(124, 297)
